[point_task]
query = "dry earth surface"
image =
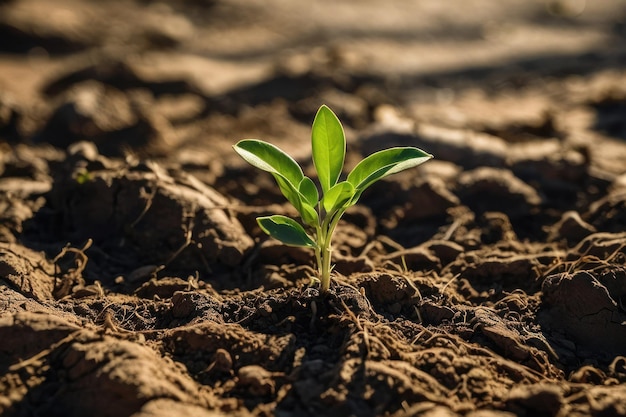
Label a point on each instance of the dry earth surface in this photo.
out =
(490, 281)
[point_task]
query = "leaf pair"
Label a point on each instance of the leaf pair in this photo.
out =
(322, 213)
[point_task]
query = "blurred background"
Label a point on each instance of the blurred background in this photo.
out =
(163, 78)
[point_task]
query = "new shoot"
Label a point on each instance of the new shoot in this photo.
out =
(321, 208)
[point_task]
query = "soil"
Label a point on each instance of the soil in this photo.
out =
(490, 281)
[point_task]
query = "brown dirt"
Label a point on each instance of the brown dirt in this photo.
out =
(488, 282)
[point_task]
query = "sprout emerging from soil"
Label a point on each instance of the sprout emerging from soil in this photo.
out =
(320, 212)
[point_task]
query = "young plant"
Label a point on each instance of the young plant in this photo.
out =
(320, 212)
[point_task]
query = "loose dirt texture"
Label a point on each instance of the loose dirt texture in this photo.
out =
(134, 280)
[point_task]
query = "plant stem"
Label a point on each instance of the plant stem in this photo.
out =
(318, 248)
(324, 250)
(325, 272)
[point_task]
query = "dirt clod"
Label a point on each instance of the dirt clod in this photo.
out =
(136, 281)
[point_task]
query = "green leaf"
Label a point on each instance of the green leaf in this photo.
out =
(286, 230)
(309, 214)
(286, 172)
(383, 163)
(328, 147)
(338, 196)
(290, 192)
(270, 158)
(308, 189)
(298, 200)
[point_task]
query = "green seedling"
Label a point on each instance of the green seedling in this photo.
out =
(320, 211)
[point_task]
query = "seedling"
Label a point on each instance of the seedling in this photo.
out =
(320, 212)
